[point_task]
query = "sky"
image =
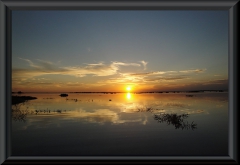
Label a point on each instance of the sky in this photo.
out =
(110, 51)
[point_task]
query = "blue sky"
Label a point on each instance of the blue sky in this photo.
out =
(109, 50)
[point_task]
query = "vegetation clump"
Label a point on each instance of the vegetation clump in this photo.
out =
(21, 99)
(176, 120)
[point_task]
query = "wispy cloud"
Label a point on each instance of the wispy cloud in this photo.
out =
(115, 63)
(200, 85)
(46, 65)
(218, 81)
(30, 63)
(42, 67)
(98, 69)
(193, 71)
(144, 64)
(123, 80)
(168, 72)
(148, 73)
(167, 78)
(113, 72)
(153, 77)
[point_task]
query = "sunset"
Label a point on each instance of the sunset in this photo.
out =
(98, 51)
(120, 83)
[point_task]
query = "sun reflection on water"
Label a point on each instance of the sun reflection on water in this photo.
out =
(129, 96)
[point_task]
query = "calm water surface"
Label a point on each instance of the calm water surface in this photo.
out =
(123, 124)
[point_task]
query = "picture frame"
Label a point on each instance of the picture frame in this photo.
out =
(7, 6)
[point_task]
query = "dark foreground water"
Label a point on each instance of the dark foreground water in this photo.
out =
(127, 124)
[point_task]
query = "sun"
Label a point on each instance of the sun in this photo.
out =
(128, 88)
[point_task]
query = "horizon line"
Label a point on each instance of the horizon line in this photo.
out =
(178, 91)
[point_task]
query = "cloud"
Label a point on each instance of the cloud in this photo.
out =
(167, 78)
(30, 63)
(144, 64)
(46, 65)
(218, 81)
(193, 71)
(141, 74)
(147, 73)
(221, 84)
(166, 72)
(125, 64)
(42, 67)
(154, 77)
(99, 69)
(123, 81)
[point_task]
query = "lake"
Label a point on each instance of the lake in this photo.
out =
(121, 124)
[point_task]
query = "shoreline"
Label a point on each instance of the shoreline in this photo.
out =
(21, 99)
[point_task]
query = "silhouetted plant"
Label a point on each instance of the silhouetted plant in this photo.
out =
(21, 99)
(145, 109)
(176, 120)
(47, 111)
(18, 114)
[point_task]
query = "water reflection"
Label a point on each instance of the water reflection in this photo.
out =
(122, 108)
(129, 96)
(177, 120)
(19, 114)
(170, 118)
(93, 125)
(102, 116)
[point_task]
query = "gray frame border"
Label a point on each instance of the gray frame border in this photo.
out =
(5, 70)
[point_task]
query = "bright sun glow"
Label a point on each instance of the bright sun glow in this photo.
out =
(128, 88)
(129, 96)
